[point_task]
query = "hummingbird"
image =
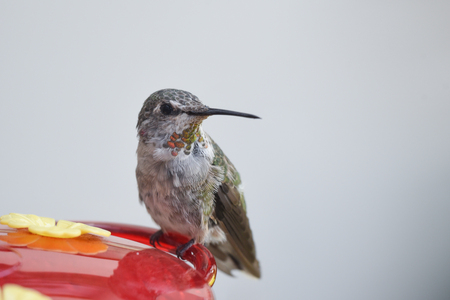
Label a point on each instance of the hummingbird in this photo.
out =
(188, 185)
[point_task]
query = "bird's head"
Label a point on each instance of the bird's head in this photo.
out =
(173, 117)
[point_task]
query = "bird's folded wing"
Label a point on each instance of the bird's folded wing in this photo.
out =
(238, 252)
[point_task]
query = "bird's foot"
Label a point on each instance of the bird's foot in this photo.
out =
(154, 238)
(183, 248)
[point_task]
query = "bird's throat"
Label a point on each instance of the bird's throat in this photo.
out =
(183, 141)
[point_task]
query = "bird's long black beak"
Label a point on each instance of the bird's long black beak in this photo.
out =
(217, 111)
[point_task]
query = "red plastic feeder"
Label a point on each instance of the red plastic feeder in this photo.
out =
(122, 266)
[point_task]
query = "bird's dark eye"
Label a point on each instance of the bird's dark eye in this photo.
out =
(166, 109)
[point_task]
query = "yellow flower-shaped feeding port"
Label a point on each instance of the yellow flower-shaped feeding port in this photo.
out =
(43, 234)
(46, 226)
(17, 292)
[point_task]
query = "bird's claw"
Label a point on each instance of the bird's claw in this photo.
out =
(183, 248)
(154, 238)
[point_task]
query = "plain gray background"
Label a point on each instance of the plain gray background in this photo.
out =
(347, 175)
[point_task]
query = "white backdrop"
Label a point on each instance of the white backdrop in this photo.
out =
(347, 175)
